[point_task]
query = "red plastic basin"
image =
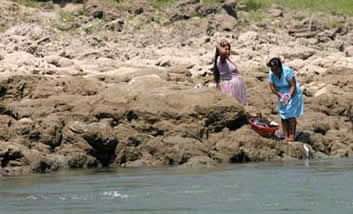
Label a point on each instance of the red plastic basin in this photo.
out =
(263, 130)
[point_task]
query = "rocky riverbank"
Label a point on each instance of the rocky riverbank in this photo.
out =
(86, 84)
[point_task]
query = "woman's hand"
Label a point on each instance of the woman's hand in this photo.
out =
(223, 49)
(285, 98)
(223, 43)
(285, 102)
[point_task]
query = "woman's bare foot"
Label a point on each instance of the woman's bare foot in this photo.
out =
(291, 138)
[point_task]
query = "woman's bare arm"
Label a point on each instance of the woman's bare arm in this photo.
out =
(274, 90)
(293, 86)
(222, 51)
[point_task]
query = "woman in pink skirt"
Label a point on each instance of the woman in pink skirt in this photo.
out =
(227, 76)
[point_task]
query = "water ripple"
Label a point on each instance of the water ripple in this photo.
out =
(107, 195)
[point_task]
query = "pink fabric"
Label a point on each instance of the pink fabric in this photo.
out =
(231, 82)
(226, 69)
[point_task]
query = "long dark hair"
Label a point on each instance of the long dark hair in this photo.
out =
(215, 68)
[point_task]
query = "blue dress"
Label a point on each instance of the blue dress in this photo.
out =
(295, 107)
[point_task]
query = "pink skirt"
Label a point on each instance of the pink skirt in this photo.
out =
(235, 87)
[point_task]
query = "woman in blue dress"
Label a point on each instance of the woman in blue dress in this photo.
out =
(284, 84)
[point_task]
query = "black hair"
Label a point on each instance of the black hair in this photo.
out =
(275, 61)
(215, 68)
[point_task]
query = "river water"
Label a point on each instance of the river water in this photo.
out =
(323, 187)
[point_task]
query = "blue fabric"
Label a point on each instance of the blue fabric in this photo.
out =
(295, 107)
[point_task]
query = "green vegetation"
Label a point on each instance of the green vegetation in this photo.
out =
(156, 19)
(66, 16)
(336, 22)
(209, 1)
(94, 27)
(112, 3)
(162, 3)
(2, 29)
(336, 7)
(165, 3)
(29, 3)
(252, 5)
(255, 16)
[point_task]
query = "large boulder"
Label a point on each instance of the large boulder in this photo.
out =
(123, 125)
